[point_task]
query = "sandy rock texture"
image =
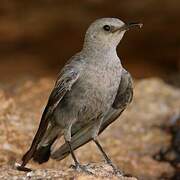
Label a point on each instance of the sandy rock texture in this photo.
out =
(100, 172)
(131, 141)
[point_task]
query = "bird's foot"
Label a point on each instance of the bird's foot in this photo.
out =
(118, 172)
(81, 168)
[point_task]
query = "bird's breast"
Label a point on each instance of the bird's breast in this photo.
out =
(100, 81)
(93, 93)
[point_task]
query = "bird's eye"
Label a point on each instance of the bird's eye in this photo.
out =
(106, 27)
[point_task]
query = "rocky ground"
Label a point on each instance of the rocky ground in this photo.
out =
(132, 141)
(100, 172)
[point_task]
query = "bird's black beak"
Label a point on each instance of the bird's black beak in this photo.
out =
(128, 26)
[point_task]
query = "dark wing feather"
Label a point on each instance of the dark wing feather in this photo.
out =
(66, 79)
(83, 135)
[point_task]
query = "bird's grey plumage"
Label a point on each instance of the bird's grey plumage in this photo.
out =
(91, 91)
(63, 84)
(81, 136)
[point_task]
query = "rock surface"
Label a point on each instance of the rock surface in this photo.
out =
(131, 141)
(100, 172)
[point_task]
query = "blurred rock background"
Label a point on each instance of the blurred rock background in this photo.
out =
(38, 37)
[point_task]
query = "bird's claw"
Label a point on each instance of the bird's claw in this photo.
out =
(81, 168)
(117, 172)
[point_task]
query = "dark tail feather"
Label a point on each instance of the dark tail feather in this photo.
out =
(42, 154)
(39, 134)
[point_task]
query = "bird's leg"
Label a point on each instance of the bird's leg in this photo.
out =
(77, 166)
(96, 128)
(108, 160)
(67, 137)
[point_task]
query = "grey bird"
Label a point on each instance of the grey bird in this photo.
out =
(91, 91)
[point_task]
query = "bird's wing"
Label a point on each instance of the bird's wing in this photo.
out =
(81, 136)
(67, 77)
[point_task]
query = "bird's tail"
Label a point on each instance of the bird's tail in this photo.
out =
(42, 154)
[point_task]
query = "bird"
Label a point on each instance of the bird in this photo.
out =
(90, 93)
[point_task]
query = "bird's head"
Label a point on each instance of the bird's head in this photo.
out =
(107, 32)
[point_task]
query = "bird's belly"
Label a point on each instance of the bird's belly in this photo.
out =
(88, 98)
(95, 97)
